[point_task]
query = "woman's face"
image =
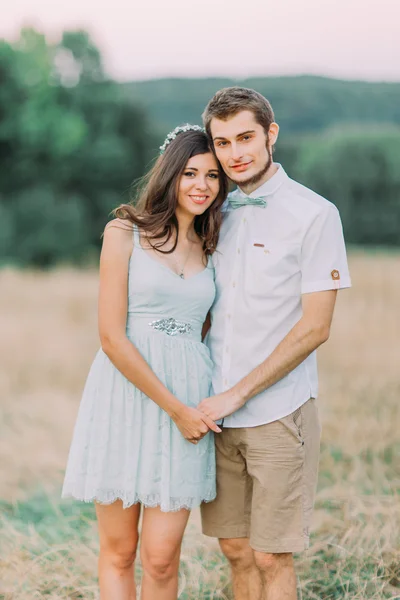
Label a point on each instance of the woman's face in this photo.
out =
(198, 184)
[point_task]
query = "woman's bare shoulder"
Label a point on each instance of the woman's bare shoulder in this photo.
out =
(122, 225)
(118, 234)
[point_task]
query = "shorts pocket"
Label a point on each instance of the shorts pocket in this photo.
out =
(294, 422)
(297, 417)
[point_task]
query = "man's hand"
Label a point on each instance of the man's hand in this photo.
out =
(221, 405)
(193, 424)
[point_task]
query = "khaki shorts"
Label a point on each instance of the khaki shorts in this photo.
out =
(266, 481)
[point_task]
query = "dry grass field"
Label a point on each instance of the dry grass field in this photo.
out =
(48, 548)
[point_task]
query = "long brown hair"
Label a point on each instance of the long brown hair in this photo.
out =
(154, 209)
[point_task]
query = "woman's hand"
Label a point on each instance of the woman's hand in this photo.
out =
(193, 424)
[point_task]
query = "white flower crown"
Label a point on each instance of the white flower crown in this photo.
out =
(180, 129)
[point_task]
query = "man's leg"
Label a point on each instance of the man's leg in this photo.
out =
(246, 577)
(228, 516)
(277, 575)
(282, 460)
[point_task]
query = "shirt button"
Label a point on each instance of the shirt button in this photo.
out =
(244, 220)
(229, 315)
(234, 284)
(238, 250)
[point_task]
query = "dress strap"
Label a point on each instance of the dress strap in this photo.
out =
(136, 236)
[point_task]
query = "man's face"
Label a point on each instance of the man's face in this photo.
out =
(242, 147)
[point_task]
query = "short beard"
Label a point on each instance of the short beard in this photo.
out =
(258, 176)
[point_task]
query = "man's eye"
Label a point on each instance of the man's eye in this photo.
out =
(220, 144)
(246, 137)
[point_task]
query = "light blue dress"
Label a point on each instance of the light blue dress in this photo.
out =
(124, 446)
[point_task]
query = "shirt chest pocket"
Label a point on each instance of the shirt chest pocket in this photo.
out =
(273, 262)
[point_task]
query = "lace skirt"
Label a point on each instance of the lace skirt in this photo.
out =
(125, 447)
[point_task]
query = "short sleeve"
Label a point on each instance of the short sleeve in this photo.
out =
(323, 254)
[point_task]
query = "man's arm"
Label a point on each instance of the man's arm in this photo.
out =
(310, 331)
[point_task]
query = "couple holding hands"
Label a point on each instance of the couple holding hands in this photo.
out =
(211, 307)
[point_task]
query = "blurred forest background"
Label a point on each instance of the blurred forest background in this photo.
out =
(72, 141)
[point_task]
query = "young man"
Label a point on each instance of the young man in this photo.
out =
(280, 260)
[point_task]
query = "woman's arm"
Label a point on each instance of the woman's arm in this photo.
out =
(113, 307)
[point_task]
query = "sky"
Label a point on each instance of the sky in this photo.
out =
(349, 39)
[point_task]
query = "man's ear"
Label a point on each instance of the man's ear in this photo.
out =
(273, 133)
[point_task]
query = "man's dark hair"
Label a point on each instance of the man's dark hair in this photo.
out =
(229, 101)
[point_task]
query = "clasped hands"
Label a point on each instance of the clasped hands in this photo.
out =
(195, 423)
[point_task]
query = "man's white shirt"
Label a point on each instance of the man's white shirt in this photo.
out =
(265, 260)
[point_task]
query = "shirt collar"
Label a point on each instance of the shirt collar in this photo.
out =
(271, 186)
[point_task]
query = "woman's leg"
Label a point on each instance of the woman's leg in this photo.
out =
(160, 549)
(118, 533)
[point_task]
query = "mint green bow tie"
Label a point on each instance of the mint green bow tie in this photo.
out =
(237, 200)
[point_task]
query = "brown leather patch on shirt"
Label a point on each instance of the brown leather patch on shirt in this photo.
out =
(335, 274)
(259, 245)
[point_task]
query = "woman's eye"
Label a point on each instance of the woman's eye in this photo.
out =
(214, 176)
(188, 173)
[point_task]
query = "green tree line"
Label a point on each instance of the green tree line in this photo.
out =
(72, 141)
(70, 146)
(302, 104)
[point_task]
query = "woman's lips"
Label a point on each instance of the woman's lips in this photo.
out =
(199, 199)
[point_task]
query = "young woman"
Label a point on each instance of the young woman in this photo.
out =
(139, 439)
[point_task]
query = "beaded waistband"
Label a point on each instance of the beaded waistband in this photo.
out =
(167, 325)
(171, 326)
